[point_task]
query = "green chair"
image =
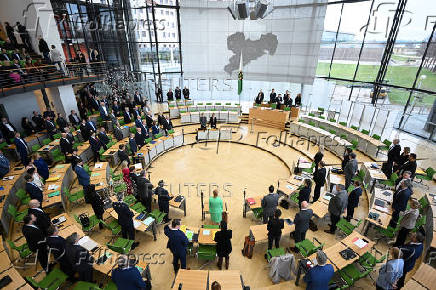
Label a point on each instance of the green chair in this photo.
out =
(101, 152)
(86, 167)
(355, 128)
(307, 248)
(274, 106)
(122, 123)
(376, 137)
(311, 115)
(366, 132)
(157, 136)
(301, 121)
(322, 117)
(429, 174)
(3, 145)
(130, 200)
(36, 147)
(210, 226)
(321, 110)
(171, 131)
(120, 188)
(346, 227)
(311, 123)
(93, 222)
(228, 104)
(354, 144)
(333, 120)
(309, 170)
(51, 281)
(18, 216)
(113, 226)
(391, 181)
(76, 197)
(46, 141)
(343, 124)
(276, 252)
(138, 207)
(360, 176)
(423, 201)
(206, 252)
(217, 104)
(331, 131)
(121, 245)
(258, 213)
(321, 127)
(132, 130)
(82, 285)
(420, 222)
(57, 136)
(390, 232)
(148, 140)
(208, 104)
(110, 286)
(23, 196)
(286, 109)
(22, 250)
(294, 197)
(158, 216)
(58, 156)
(386, 146)
(343, 136)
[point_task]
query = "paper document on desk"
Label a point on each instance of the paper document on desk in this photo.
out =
(136, 224)
(360, 243)
(138, 165)
(98, 165)
(206, 232)
(53, 187)
(290, 187)
(382, 209)
(87, 243)
(148, 221)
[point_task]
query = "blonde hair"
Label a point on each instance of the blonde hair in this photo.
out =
(124, 164)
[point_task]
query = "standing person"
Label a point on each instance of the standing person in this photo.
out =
(126, 176)
(82, 176)
(391, 272)
(96, 202)
(223, 244)
(337, 206)
(393, 157)
(43, 221)
(170, 95)
(259, 98)
(50, 127)
(353, 200)
(44, 49)
(32, 189)
(408, 222)
(304, 194)
(411, 252)
(404, 157)
(132, 144)
(298, 100)
(56, 245)
(272, 97)
(319, 177)
(8, 130)
(163, 200)
(27, 126)
(215, 207)
(159, 95)
(350, 169)
(22, 148)
(145, 190)
(409, 165)
(24, 35)
(319, 276)
(75, 159)
(56, 58)
(38, 120)
(4, 165)
(186, 93)
(287, 99)
(41, 166)
(400, 200)
(301, 221)
(79, 258)
(126, 276)
(122, 154)
(125, 220)
(203, 122)
(274, 227)
(178, 93)
(346, 157)
(11, 34)
(318, 156)
(35, 239)
(212, 121)
(95, 146)
(177, 243)
(65, 144)
(269, 204)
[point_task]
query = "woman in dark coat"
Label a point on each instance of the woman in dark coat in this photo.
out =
(223, 244)
(96, 202)
(304, 194)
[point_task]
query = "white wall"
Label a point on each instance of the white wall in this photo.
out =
(68, 99)
(18, 106)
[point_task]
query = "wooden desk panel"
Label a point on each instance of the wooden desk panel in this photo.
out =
(229, 280)
(319, 208)
(260, 232)
(426, 275)
(268, 117)
(207, 239)
(257, 202)
(18, 281)
(191, 279)
(413, 285)
(348, 241)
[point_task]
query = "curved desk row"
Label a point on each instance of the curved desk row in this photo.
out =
(214, 134)
(7, 269)
(366, 144)
(222, 116)
(319, 136)
(175, 112)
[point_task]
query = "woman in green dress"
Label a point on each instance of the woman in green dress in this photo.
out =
(215, 207)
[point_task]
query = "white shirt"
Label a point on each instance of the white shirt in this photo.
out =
(9, 127)
(38, 181)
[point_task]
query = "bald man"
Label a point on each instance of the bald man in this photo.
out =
(43, 221)
(301, 221)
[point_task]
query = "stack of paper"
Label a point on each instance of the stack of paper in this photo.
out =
(148, 221)
(98, 165)
(138, 165)
(53, 187)
(87, 243)
(360, 243)
(206, 232)
(136, 224)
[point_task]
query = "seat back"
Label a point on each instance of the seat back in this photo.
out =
(46, 141)
(12, 210)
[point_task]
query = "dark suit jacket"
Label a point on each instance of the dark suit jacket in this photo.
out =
(318, 157)
(103, 115)
(22, 149)
(144, 188)
(170, 96)
(127, 117)
(79, 258)
(73, 121)
(95, 144)
(42, 219)
(272, 98)
(35, 238)
(319, 177)
(125, 215)
(409, 166)
(90, 125)
(122, 155)
(186, 93)
(394, 153)
(56, 246)
(116, 110)
(84, 131)
(177, 241)
(6, 133)
(118, 134)
(139, 138)
(50, 126)
(103, 138)
(149, 121)
(66, 146)
(259, 98)
(34, 191)
(275, 227)
(163, 197)
(133, 145)
(82, 176)
(212, 122)
(400, 199)
(302, 219)
(62, 123)
(353, 197)
(304, 194)
(223, 243)
(178, 93)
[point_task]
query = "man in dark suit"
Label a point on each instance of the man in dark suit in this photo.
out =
(137, 98)
(32, 189)
(61, 122)
(103, 137)
(213, 121)
(4, 55)
(149, 119)
(259, 98)
(118, 133)
(122, 154)
(75, 159)
(304, 193)
(178, 93)
(167, 124)
(301, 221)
(95, 146)
(35, 239)
(139, 138)
(136, 113)
(337, 206)
(170, 96)
(319, 178)
(400, 200)
(104, 112)
(84, 130)
(177, 243)
(411, 253)
(116, 109)
(94, 103)
(319, 276)
(74, 118)
(272, 97)
(8, 130)
(138, 122)
(50, 126)
(5, 165)
(125, 220)
(410, 166)
(126, 275)
(287, 100)
(145, 130)
(128, 118)
(38, 120)
(22, 148)
(79, 258)
(269, 204)
(56, 246)
(394, 154)
(145, 190)
(65, 144)
(82, 176)
(16, 55)
(163, 200)
(185, 93)
(90, 126)
(43, 221)
(353, 199)
(132, 144)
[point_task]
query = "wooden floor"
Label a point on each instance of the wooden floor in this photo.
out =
(238, 167)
